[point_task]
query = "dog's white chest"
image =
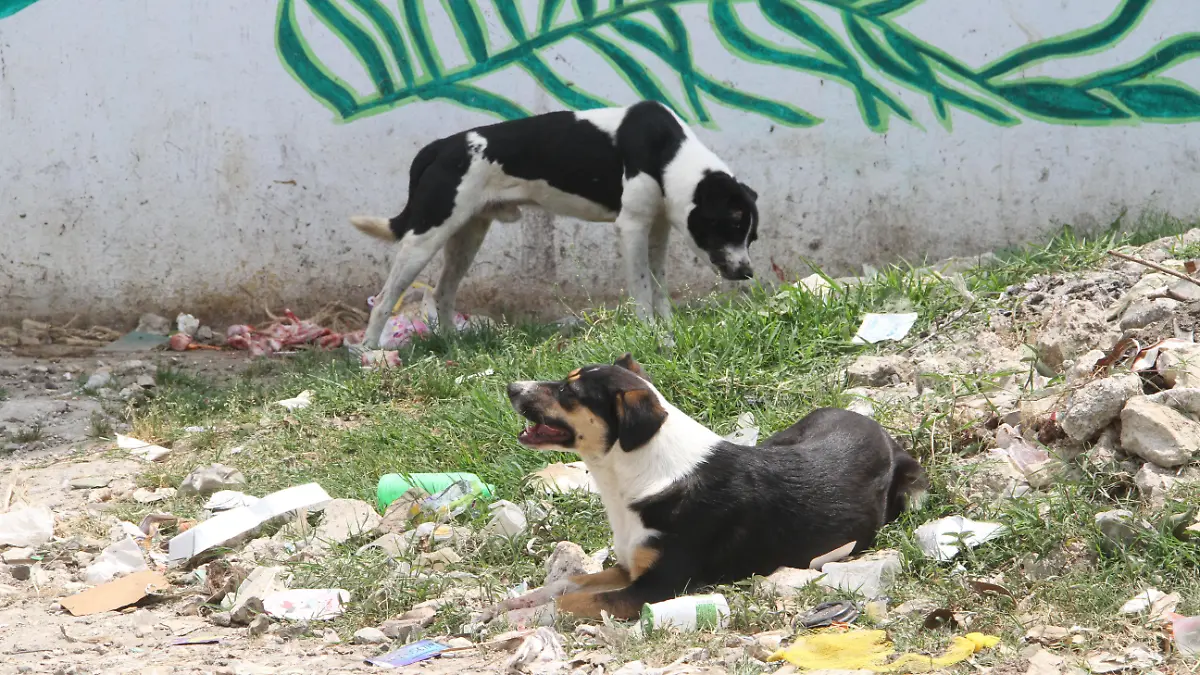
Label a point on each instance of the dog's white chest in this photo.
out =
(628, 530)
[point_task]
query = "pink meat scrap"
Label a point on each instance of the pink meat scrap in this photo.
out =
(290, 331)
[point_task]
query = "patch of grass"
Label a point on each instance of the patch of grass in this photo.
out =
(29, 434)
(775, 352)
(101, 426)
(4, 395)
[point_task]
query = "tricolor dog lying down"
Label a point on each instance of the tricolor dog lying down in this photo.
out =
(640, 167)
(689, 509)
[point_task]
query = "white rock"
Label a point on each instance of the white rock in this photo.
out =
(567, 560)
(869, 575)
(1154, 482)
(1072, 329)
(345, 518)
(1083, 366)
(788, 581)
(1097, 404)
(877, 371)
(99, 380)
(1145, 312)
(29, 526)
(1158, 434)
(370, 636)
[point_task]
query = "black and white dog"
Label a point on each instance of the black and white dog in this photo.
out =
(689, 509)
(640, 167)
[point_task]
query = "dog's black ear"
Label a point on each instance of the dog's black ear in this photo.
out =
(749, 192)
(632, 366)
(639, 417)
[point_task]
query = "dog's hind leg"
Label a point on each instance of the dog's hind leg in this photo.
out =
(460, 250)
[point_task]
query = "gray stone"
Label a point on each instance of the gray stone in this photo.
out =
(869, 575)
(1082, 367)
(400, 629)
(99, 380)
(1158, 434)
(1145, 312)
(568, 559)
(223, 619)
(1183, 291)
(206, 480)
(146, 381)
(155, 324)
(1154, 483)
(1097, 404)
(1073, 329)
(261, 624)
(877, 371)
(1180, 367)
(369, 636)
(345, 518)
(1118, 527)
(133, 366)
(204, 334)
(90, 482)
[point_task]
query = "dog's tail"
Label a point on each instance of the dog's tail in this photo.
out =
(910, 484)
(380, 228)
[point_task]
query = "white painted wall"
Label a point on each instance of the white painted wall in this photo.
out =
(156, 156)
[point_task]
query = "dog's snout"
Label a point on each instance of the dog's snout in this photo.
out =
(737, 273)
(518, 390)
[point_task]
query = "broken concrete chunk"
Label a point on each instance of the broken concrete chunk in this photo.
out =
(869, 575)
(568, 559)
(1097, 404)
(346, 518)
(1158, 434)
(1073, 329)
(206, 480)
(1154, 482)
(369, 636)
(877, 371)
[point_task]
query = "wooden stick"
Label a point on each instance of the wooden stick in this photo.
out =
(1154, 266)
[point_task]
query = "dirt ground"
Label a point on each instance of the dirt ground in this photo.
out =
(42, 392)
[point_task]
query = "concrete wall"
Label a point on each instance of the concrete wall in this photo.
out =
(205, 155)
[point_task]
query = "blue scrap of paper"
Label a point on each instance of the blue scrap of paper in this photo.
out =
(409, 654)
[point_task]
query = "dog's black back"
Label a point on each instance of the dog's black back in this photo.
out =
(833, 477)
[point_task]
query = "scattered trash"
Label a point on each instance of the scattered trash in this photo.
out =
(687, 613)
(292, 331)
(142, 449)
(508, 520)
(306, 604)
(136, 341)
(248, 601)
(1152, 600)
(941, 539)
(115, 594)
(869, 649)
(206, 480)
(187, 324)
(1185, 630)
(542, 652)
(116, 560)
(447, 504)
(393, 486)
(467, 378)
(828, 613)
(880, 327)
(409, 654)
(839, 553)
(788, 581)
(144, 496)
(559, 478)
(869, 575)
(29, 526)
(302, 401)
(1135, 658)
(179, 342)
(745, 433)
(223, 500)
(235, 522)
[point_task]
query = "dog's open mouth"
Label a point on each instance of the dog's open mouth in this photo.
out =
(545, 434)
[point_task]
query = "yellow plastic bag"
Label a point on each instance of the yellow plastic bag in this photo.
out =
(869, 649)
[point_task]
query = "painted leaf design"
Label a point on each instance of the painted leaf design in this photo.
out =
(10, 7)
(393, 43)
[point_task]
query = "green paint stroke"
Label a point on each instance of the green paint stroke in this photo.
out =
(10, 7)
(873, 50)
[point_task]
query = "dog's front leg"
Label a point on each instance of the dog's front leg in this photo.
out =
(411, 257)
(610, 579)
(635, 248)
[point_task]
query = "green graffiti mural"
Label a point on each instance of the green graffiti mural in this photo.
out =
(10, 7)
(403, 62)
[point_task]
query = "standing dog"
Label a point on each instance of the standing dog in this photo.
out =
(639, 167)
(689, 509)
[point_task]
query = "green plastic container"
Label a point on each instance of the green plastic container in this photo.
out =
(392, 486)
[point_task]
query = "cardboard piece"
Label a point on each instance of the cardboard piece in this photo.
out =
(115, 594)
(236, 522)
